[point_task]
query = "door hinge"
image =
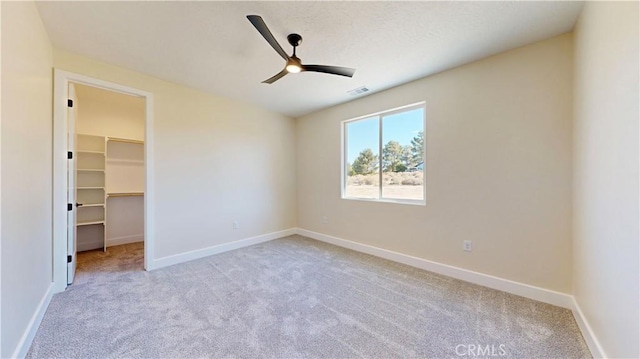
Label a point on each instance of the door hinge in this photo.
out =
(69, 155)
(69, 258)
(69, 103)
(69, 207)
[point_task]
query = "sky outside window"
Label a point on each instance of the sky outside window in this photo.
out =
(401, 127)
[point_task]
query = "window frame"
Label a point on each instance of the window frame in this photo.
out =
(344, 160)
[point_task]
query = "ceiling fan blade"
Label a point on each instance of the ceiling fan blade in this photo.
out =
(276, 77)
(264, 31)
(334, 70)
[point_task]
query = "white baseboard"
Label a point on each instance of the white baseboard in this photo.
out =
(27, 338)
(89, 245)
(220, 248)
(505, 285)
(116, 241)
(589, 336)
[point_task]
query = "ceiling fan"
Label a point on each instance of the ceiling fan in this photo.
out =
(293, 65)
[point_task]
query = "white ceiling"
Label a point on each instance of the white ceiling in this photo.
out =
(213, 47)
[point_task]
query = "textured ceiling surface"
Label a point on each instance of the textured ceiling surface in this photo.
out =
(211, 46)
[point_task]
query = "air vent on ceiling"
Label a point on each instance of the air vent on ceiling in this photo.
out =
(358, 91)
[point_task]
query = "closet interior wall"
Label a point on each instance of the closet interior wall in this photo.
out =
(110, 176)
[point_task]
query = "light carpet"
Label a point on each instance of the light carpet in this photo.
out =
(292, 298)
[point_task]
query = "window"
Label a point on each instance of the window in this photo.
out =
(384, 156)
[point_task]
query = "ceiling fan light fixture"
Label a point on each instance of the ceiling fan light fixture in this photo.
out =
(294, 69)
(293, 65)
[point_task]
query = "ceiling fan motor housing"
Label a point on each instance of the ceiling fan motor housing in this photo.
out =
(294, 39)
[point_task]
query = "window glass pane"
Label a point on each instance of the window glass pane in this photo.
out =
(402, 152)
(362, 147)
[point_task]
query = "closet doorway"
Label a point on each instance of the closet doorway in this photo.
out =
(109, 180)
(104, 130)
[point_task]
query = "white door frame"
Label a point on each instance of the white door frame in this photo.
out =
(60, 93)
(72, 229)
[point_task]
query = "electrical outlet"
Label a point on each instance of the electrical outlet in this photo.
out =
(236, 225)
(325, 220)
(466, 246)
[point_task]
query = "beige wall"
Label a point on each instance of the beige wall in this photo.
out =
(216, 161)
(105, 113)
(498, 143)
(605, 270)
(26, 169)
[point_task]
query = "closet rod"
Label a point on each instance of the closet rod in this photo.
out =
(116, 139)
(126, 194)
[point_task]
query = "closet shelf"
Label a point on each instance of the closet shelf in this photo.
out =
(90, 170)
(125, 140)
(122, 160)
(92, 205)
(104, 166)
(90, 223)
(92, 152)
(125, 194)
